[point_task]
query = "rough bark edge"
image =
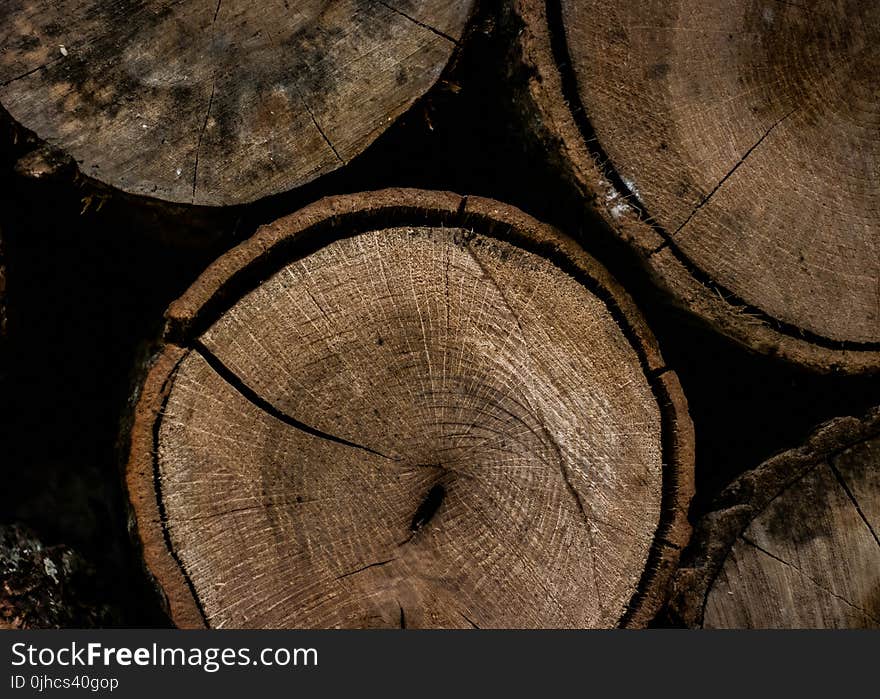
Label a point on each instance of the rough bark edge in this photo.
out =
(544, 109)
(42, 160)
(147, 522)
(244, 267)
(743, 500)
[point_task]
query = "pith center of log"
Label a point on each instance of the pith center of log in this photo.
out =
(416, 425)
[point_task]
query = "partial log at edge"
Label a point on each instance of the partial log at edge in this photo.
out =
(229, 104)
(546, 116)
(742, 501)
(217, 288)
(45, 586)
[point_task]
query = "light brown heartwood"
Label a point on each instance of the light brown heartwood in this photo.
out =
(410, 409)
(734, 146)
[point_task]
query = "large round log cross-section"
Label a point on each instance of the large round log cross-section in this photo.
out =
(218, 102)
(409, 409)
(735, 144)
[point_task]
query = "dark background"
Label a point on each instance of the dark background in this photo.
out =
(87, 291)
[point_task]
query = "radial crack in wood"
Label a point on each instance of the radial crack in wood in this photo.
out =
(219, 103)
(408, 408)
(793, 544)
(735, 145)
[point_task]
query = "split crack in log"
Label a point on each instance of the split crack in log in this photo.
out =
(616, 97)
(724, 179)
(207, 111)
(201, 135)
(377, 564)
(849, 493)
(452, 383)
(318, 126)
(560, 460)
(255, 399)
(291, 94)
(28, 73)
(810, 578)
(420, 24)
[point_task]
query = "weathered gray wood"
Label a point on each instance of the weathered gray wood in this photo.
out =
(794, 543)
(422, 410)
(735, 146)
(219, 102)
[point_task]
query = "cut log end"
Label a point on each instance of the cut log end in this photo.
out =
(380, 413)
(218, 103)
(794, 543)
(735, 146)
